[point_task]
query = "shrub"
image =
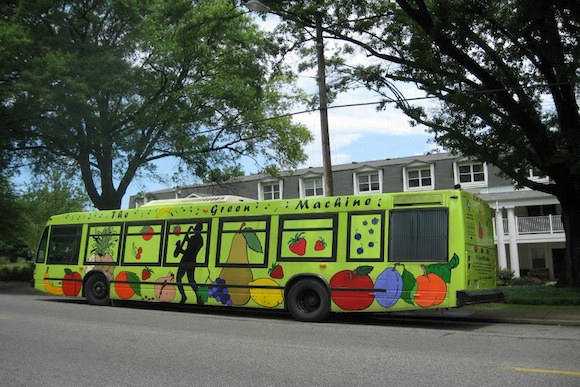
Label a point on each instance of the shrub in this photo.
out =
(16, 272)
(542, 295)
(504, 277)
(526, 281)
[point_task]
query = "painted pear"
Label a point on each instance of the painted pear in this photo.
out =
(238, 276)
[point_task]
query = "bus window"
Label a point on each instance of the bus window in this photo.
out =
(366, 235)
(103, 243)
(184, 246)
(41, 253)
(419, 235)
(307, 238)
(64, 244)
(243, 242)
(142, 244)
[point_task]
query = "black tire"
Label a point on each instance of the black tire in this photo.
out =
(97, 290)
(308, 300)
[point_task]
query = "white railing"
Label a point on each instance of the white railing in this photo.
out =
(536, 225)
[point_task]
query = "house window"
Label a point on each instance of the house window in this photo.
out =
(471, 174)
(418, 178)
(312, 187)
(368, 182)
(543, 210)
(538, 255)
(271, 190)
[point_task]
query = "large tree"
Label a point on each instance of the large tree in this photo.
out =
(108, 87)
(505, 74)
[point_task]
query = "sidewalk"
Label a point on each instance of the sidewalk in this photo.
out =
(529, 315)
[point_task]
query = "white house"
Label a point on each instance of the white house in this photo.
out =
(528, 226)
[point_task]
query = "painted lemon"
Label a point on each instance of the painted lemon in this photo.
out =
(266, 292)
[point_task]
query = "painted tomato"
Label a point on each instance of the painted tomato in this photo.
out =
(147, 232)
(352, 289)
(71, 283)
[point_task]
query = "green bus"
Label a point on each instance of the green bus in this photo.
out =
(309, 256)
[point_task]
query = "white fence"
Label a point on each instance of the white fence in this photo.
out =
(536, 225)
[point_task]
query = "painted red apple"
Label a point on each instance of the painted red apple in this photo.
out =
(431, 290)
(71, 283)
(352, 289)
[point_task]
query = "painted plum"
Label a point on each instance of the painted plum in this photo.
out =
(391, 281)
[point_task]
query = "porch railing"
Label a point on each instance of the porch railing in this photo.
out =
(536, 225)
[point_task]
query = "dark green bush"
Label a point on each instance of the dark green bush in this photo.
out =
(542, 295)
(504, 277)
(526, 281)
(16, 272)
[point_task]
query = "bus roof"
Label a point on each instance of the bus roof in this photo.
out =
(200, 199)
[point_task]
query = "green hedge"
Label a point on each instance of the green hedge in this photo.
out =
(542, 295)
(16, 272)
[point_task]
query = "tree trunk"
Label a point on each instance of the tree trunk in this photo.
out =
(571, 221)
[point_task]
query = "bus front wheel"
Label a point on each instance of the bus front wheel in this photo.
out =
(308, 300)
(97, 290)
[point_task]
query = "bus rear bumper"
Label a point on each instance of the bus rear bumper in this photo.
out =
(468, 297)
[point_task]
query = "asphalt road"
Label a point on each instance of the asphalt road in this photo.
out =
(53, 341)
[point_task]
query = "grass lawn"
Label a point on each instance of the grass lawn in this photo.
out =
(547, 297)
(541, 295)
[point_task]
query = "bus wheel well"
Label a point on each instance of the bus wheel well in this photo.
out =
(96, 288)
(293, 281)
(307, 298)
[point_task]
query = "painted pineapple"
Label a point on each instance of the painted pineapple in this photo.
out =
(103, 252)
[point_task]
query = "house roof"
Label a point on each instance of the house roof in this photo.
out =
(355, 165)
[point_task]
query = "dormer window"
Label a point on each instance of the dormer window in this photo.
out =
(270, 190)
(311, 185)
(418, 177)
(368, 180)
(470, 174)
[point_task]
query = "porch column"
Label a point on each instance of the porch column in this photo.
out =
(501, 256)
(512, 234)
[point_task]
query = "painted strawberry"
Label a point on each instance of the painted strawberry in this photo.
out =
(176, 229)
(298, 244)
(320, 244)
(146, 273)
(276, 271)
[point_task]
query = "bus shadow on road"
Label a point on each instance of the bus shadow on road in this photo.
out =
(406, 320)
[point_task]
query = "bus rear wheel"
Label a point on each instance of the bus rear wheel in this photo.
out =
(308, 300)
(97, 290)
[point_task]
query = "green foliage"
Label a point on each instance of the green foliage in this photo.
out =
(111, 86)
(541, 295)
(25, 214)
(12, 222)
(49, 194)
(526, 281)
(16, 272)
(504, 277)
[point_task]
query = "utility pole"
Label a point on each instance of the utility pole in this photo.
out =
(323, 107)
